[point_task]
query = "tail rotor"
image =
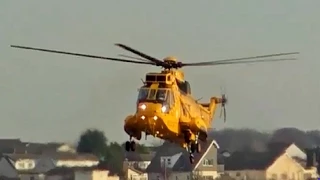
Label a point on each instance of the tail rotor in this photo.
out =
(223, 105)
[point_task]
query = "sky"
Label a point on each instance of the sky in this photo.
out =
(52, 97)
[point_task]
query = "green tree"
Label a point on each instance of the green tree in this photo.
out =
(93, 141)
(115, 157)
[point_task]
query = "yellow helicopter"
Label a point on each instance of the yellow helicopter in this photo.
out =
(165, 107)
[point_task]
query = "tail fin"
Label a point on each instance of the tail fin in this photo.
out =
(212, 106)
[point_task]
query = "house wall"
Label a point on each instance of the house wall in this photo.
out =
(180, 176)
(32, 176)
(311, 173)
(209, 174)
(285, 166)
(249, 174)
(74, 163)
(83, 175)
(143, 164)
(211, 155)
(6, 169)
(140, 164)
(132, 175)
(54, 177)
(154, 176)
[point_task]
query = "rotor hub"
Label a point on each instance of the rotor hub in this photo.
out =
(224, 99)
(171, 62)
(170, 59)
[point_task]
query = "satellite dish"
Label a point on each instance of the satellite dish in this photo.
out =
(226, 154)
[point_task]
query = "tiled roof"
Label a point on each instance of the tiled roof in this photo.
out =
(8, 178)
(183, 163)
(57, 156)
(15, 157)
(135, 156)
(74, 156)
(71, 170)
(137, 170)
(17, 146)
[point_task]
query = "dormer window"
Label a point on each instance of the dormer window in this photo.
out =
(166, 161)
(20, 165)
(30, 165)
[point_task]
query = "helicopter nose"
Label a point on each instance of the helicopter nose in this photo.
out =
(149, 108)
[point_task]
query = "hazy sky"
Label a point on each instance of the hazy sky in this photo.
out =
(47, 96)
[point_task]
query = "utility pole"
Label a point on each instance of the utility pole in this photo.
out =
(165, 168)
(26, 148)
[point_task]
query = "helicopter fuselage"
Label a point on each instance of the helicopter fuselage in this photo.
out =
(168, 113)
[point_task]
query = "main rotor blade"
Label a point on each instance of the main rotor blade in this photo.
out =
(83, 55)
(152, 59)
(241, 62)
(131, 57)
(239, 59)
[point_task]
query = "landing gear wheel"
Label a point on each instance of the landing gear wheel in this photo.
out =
(198, 147)
(128, 146)
(132, 146)
(191, 158)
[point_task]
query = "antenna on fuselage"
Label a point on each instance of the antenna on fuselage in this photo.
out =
(199, 99)
(143, 81)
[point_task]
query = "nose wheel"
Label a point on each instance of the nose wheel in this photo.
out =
(130, 145)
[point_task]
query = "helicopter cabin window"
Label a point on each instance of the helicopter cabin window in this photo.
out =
(161, 95)
(152, 93)
(143, 94)
(184, 87)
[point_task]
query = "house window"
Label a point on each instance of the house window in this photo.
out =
(208, 177)
(207, 162)
(238, 174)
(284, 176)
(169, 161)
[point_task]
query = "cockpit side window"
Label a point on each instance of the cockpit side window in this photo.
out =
(152, 93)
(143, 93)
(161, 95)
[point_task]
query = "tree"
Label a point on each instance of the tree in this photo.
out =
(140, 148)
(93, 141)
(115, 158)
(292, 135)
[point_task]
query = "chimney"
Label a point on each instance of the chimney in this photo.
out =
(311, 158)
